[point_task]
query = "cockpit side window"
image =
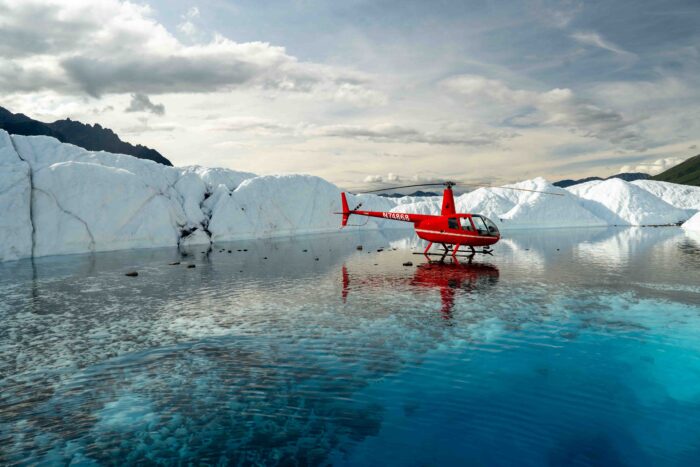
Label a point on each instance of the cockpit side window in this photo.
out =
(480, 225)
(452, 223)
(466, 224)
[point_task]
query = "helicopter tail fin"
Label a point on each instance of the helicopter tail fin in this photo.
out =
(346, 210)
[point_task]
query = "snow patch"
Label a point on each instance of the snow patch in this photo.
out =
(693, 223)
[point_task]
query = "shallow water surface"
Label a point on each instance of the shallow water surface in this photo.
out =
(567, 347)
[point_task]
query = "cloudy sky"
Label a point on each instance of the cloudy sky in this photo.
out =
(369, 92)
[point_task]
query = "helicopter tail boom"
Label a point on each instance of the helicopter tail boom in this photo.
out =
(395, 216)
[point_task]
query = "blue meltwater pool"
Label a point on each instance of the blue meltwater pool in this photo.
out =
(567, 347)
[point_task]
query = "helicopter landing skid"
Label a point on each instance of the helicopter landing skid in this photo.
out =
(460, 255)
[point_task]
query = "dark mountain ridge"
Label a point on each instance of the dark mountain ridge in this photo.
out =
(627, 176)
(685, 173)
(415, 193)
(91, 137)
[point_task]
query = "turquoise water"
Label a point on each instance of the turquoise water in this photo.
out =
(564, 348)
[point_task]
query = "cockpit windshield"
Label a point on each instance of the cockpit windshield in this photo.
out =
(485, 226)
(493, 230)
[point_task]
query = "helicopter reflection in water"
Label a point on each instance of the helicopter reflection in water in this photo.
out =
(449, 277)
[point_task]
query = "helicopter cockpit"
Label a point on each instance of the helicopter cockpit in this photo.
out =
(484, 225)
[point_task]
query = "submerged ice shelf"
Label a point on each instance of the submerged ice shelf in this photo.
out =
(57, 198)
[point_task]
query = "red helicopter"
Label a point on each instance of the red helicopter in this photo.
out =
(450, 229)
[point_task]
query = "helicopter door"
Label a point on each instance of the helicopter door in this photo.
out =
(452, 223)
(480, 225)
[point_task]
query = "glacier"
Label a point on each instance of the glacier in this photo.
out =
(56, 198)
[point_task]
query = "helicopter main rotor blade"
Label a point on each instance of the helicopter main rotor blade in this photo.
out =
(404, 186)
(525, 189)
(452, 184)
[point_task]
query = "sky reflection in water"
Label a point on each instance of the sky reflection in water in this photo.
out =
(565, 347)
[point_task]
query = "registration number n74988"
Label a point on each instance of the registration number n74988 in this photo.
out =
(397, 216)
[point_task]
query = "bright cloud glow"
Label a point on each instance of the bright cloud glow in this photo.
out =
(655, 167)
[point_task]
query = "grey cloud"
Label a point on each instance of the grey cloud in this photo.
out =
(377, 133)
(98, 111)
(557, 107)
(16, 77)
(219, 69)
(250, 125)
(142, 103)
(607, 124)
(115, 47)
(29, 28)
(401, 134)
(156, 75)
(146, 127)
(386, 133)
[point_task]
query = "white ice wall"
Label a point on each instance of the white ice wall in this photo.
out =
(618, 202)
(285, 205)
(15, 199)
(96, 201)
(57, 198)
(276, 206)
